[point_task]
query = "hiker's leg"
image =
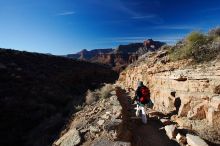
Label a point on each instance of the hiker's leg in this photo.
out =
(143, 115)
(137, 110)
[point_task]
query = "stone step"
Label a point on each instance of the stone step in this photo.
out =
(193, 140)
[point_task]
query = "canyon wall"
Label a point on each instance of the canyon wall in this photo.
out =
(119, 58)
(190, 91)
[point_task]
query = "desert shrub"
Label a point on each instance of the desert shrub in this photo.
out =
(196, 37)
(90, 97)
(101, 93)
(78, 107)
(196, 46)
(180, 53)
(105, 91)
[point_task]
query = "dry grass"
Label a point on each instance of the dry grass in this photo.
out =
(78, 107)
(90, 97)
(102, 93)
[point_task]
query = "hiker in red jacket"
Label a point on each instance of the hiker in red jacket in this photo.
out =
(142, 97)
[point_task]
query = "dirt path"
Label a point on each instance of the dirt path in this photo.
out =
(140, 134)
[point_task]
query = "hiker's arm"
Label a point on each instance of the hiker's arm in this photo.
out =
(133, 99)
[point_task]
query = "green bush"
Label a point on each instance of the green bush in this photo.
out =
(196, 37)
(180, 53)
(196, 46)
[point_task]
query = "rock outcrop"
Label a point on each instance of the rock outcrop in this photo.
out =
(195, 140)
(190, 92)
(97, 124)
(171, 131)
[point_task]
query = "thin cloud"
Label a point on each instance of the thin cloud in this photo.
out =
(152, 18)
(128, 8)
(66, 13)
(135, 39)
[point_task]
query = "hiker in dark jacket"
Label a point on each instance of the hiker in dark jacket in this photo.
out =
(142, 97)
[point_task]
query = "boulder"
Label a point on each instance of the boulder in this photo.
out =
(184, 109)
(171, 131)
(213, 117)
(193, 140)
(198, 112)
(105, 116)
(105, 142)
(181, 139)
(116, 109)
(71, 138)
(113, 98)
(101, 122)
(93, 129)
(165, 121)
(121, 143)
(183, 122)
(179, 76)
(215, 102)
(112, 125)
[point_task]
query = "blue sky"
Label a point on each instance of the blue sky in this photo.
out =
(67, 26)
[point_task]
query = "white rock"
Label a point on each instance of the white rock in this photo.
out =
(165, 121)
(170, 131)
(180, 138)
(71, 138)
(113, 92)
(101, 122)
(108, 113)
(93, 129)
(193, 140)
(105, 116)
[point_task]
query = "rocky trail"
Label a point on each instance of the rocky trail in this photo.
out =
(112, 122)
(149, 134)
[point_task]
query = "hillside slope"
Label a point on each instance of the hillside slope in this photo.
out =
(186, 88)
(38, 93)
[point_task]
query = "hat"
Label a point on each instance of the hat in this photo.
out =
(140, 83)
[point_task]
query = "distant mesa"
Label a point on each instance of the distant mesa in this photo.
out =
(119, 57)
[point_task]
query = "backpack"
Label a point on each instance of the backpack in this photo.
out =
(145, 94)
